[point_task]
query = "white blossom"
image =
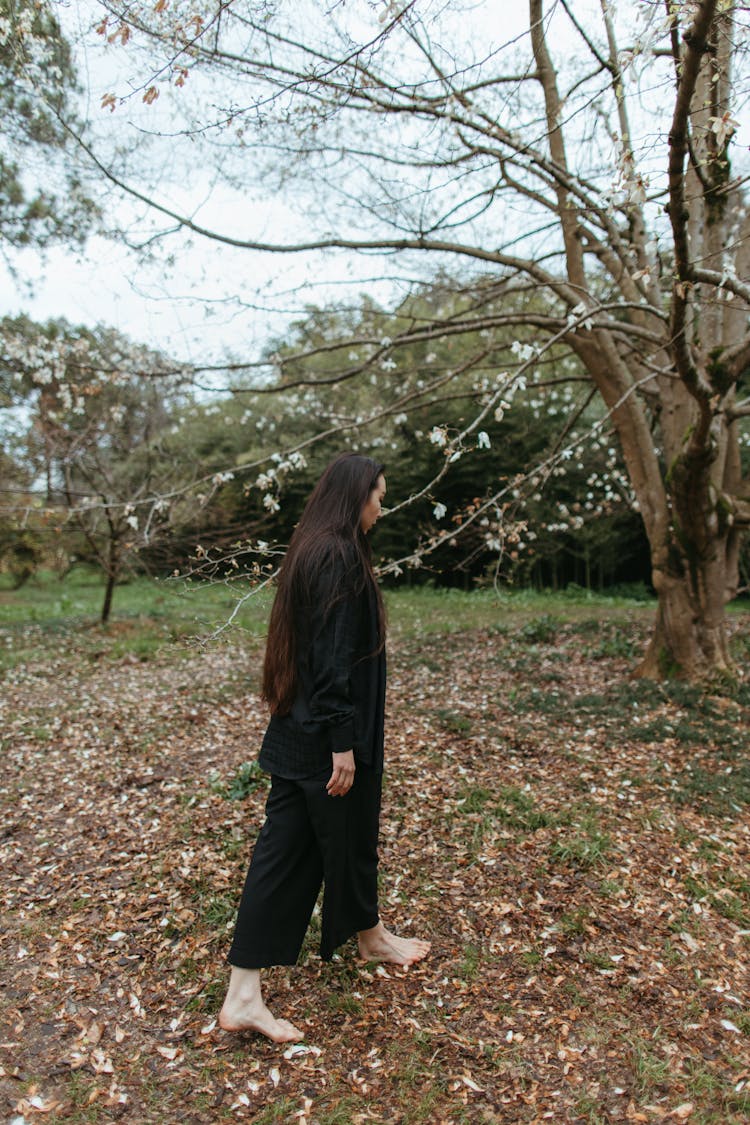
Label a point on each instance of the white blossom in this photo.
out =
(483, 440)
(523, 351)
(438, 436)
(576, 313)
(439, 511)
(271, 503)
(723, 128)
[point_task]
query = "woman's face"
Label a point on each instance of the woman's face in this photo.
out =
(372, 508)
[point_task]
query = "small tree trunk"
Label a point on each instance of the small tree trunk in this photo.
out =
(108, 595)
(113, 570)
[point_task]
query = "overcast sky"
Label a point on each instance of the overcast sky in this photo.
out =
(210, 301)
(213, 300)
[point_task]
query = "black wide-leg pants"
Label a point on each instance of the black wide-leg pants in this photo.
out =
(309, 839)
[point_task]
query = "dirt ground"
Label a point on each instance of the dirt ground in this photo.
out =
(575, 844)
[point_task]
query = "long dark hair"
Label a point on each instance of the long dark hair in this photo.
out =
(329, 527)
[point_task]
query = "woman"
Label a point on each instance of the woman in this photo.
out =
(324, 681)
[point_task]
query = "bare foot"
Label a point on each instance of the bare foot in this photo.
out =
(244, 1009)
(258, 1018)
(379, 944)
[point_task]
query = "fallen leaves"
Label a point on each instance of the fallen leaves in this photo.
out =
(590, 932)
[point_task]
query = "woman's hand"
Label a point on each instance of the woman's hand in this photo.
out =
(342, 777)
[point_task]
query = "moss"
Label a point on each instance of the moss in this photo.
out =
(673, 469)
(716, 197)
(718, 373)
(725, 513)
(669, 667)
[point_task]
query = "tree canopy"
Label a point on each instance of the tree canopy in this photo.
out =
(42, 196)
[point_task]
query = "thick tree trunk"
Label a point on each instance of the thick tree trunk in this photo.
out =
(694, 570)
(689, 639)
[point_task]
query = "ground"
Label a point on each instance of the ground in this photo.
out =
(575, 843)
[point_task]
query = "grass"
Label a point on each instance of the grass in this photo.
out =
(178, 608)
(649, 1067)
(248, 779)
(583, 848)
(729, 894)
(723, 792)
(541, 893)
(504, 806)
(148, 615)
(526, 616)
(469, 967)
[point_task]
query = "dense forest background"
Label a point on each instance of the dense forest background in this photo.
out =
(124, 465)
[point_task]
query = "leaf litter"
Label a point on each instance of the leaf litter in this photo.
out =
(579, 860)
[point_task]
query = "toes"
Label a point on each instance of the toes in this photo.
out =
(279, 1031)
(287, 1033)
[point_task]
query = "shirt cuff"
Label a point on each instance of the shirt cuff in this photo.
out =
(341, 738)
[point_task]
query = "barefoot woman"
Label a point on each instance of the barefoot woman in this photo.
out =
(324, 681)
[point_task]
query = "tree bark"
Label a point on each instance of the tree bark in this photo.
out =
(689, 640)
(112, 572)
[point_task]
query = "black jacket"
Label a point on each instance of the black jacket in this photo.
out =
(340, 700)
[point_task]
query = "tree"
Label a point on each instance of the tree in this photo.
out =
(96, 413)
(42, 198)
(589, 158)
(546, 519)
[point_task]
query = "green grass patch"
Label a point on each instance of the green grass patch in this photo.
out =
(616, 642)
(151, 616)
(421, 611)
(248, 780)
(148, 615)
(727, 893)
(454, 722)
(506, 805)
(540, 630)
(582, 846)
(649, 1066)
(723, 792)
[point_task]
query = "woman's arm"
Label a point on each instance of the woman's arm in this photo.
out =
(332, 653)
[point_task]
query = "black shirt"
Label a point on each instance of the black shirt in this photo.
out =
(340, 701)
